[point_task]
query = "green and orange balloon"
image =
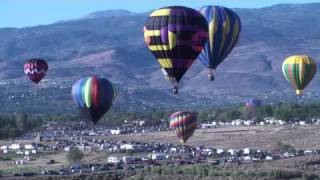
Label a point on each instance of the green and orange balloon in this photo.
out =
(299, 70)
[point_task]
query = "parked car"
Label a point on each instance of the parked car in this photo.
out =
(85, 171)
(51, 161)
(29, 174)
(104, 168)
(53, 172)
(16, 174)
(63, 172)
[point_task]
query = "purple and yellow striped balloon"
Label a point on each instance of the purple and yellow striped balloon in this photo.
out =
(175, 36)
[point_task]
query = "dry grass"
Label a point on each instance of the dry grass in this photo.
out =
(40, 163)
(238, 137)
(227, 137)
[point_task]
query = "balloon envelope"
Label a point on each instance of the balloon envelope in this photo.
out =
(253, 103)
(224, 30)
(35, 69)
(185, 123)
(175, 36)
(299, 71)
(94, 96)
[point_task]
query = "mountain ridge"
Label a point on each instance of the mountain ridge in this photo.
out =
(113, 46)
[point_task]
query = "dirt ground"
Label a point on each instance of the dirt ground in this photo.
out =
(263, 137)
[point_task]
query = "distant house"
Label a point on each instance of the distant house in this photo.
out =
(81, 147)
(287, 155)
(15, 147)
(281, 122)
(248, 123)
(127, 147)
(67, 148)
(140, 123)
(302, 123)
(19, 152)
(103, 146)
(207, 125)
(92, 133)
(220, 151)
(19, 162)
(208, 151)
(157, 156)
(246, 151)
(113, 159)
(270, 120)
(221, 123)
(115, 148)
(115, 131)
(232, 152)
(29, 146)
(128, 159)
(173, 150)
(247, 159)
(237, 122)
(46, 136)
(308, 151)
(4, 147)
(316, 121)
(269, 158)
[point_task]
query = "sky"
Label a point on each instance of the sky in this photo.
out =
(24, 13)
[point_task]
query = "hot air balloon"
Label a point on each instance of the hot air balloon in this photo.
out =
(185, 123)
(299, 71)
(224, 30)
(94, 97)
(175, 36)
(253, 103)
(35, 69)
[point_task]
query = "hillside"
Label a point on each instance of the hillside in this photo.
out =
(110, 44)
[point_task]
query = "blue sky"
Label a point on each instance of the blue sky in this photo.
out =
(22, 13)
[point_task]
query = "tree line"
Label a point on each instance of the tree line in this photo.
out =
(15, 125)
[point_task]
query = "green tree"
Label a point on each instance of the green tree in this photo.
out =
(74, 156)
(285, 148)
(21, 121)
(13, 132)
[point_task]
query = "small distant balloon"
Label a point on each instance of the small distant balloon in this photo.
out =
(253, 103)
(36, 69)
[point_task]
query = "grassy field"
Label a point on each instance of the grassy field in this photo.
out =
(263, 137)
(40, 163)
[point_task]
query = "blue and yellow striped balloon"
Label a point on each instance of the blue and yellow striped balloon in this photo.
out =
(224, 30)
